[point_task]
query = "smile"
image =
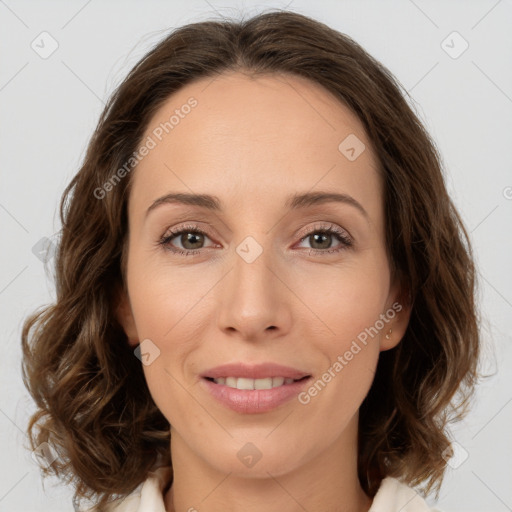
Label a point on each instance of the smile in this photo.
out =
(253, 396)
(246, 383)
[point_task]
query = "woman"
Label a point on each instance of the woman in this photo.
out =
(265, 296)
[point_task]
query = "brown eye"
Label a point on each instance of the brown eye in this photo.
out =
(185, 240)
(191, 240)
(321, 239)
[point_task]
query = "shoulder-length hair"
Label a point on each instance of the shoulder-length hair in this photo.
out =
(94, 407)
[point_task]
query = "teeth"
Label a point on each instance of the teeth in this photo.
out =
(244, 383)
(277, 381)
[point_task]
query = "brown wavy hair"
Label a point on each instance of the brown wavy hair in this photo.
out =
(94, 407)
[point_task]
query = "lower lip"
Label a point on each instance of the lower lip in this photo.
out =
(253, 401)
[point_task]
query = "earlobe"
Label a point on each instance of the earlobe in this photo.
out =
(389, 340)
(394, 331)
(125, 317)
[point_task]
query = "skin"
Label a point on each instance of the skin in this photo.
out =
(252, 142)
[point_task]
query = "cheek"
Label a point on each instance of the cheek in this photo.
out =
(350, 355)
(350, 304)
(165, 296)
(168, 305)
(346, 300)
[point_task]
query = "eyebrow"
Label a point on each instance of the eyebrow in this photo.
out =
(293, 202)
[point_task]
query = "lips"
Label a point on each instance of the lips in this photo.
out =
(251, 389)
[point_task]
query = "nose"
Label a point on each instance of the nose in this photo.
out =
(254, 301)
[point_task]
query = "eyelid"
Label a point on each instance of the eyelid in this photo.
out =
(328, 227)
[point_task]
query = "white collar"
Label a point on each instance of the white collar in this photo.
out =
(392, 496)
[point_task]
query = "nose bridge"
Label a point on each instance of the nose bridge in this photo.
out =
(253, 299)
(252, 262)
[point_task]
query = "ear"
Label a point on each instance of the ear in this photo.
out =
(124, 315)
(399, 307)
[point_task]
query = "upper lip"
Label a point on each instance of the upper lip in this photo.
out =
(257, 371)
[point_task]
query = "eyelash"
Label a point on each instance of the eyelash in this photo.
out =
(339, 234)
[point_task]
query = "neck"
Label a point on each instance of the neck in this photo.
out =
(329, 481)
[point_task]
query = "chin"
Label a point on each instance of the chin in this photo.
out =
(259, 457)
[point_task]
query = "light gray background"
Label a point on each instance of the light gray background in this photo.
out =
(49, 108)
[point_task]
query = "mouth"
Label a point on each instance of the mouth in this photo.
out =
(251, 389)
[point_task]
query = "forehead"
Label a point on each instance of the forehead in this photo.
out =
(265, 136)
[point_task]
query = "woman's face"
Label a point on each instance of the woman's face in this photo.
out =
(258, 279)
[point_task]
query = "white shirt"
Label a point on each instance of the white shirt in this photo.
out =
(392, 496)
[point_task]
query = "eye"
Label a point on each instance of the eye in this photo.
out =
(321, 238)
(190, 237)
